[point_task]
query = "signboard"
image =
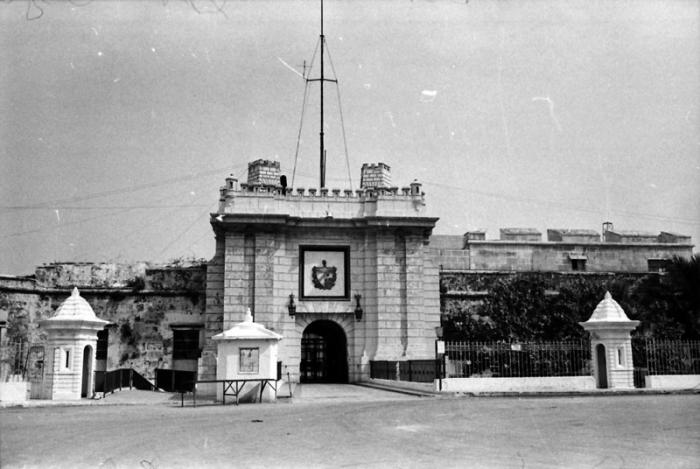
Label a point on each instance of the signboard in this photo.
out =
(249, 360)
(440, 347)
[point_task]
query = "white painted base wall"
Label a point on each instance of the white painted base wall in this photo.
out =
(13, 392)
(531, 384)
(672, 381)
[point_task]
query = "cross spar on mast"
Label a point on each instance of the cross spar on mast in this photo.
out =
(323, 79)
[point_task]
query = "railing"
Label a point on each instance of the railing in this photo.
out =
(666, 357)
(523, 359)
(382, 369)
(110, 381)
(175, 380)
(422, 371)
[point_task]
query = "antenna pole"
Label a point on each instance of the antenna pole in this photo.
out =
(322, 79)
(323, 150)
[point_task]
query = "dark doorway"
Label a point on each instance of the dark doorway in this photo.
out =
(324, 353)
(602, 366)
(86, 390)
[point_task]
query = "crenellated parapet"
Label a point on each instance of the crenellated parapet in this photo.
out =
(375, 200)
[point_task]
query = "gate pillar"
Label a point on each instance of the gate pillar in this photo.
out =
(611, 344)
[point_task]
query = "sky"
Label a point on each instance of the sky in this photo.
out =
(120, 119)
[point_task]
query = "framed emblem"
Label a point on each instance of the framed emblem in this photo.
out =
(324, 272)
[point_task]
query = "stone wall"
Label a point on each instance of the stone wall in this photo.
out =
(140, 302)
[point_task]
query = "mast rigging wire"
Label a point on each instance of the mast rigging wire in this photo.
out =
(342, 122)
(303, 108)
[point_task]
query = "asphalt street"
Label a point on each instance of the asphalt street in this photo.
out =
(362, 428)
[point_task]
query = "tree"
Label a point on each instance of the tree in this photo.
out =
(682, 278)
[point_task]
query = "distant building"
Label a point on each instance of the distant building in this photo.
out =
(565, 250)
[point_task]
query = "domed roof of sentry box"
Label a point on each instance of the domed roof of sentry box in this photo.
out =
(609, 316)
(248, 330)
(608, 310)
(75, 309)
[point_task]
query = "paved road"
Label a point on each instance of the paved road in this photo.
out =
(363, 429)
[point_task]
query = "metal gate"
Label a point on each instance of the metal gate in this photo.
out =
(314, 364)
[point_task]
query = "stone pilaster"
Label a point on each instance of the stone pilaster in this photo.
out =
(430, 316)
(213, 311)
(389, 330)
(263, 275)
(237, 278)
(415, 308)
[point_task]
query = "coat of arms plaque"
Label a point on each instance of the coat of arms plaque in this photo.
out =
(324, 272)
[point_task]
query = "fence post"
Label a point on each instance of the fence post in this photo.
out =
(438, 366)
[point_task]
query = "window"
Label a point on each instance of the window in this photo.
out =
(578, 261)
(657, 265)
(249, 360)
(620, 357)
(67, 357)
(185, 344)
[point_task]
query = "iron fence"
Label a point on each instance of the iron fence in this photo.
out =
(175, 380)
(666, 357)
(21, 357)
(517, 360)
(421, 371)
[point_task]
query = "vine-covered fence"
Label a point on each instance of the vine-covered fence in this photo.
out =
(517, 359)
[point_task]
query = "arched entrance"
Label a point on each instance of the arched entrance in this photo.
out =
(324, 353)
(602, 366)
(87, 372)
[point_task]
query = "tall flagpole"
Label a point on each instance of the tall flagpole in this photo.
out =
(322, 79)
(323, 150)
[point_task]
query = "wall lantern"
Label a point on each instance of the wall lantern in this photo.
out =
(358, 308)
(439, 332)
(291, 307)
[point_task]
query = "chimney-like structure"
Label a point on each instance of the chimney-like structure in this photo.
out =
(264, 173)
(375, 176)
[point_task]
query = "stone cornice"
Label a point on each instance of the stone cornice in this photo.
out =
(272, 222)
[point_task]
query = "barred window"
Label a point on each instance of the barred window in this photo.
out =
(657, 265)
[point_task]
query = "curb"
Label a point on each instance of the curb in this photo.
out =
(398, 389)
(602, 393)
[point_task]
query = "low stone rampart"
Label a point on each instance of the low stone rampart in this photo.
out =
(672, 382)
(530, 384)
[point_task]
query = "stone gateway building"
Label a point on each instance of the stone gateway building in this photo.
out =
(345, 277)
